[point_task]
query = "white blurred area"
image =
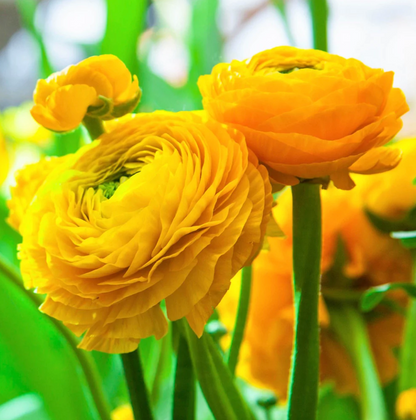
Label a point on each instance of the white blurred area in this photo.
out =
(381, 33)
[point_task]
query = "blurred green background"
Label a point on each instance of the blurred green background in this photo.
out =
(168, 44)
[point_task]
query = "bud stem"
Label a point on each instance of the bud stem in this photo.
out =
(94, 126)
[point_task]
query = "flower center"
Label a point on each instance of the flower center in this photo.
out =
(109, 188)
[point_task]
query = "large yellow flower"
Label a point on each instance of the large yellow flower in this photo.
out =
(373, 258)
(164, 207)
(98, 86)
(309, 114)
(28, 182)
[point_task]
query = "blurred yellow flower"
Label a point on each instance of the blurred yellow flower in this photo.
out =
(309, 114)
(406, 405)
(99, 86)
(372, 258)
(123, 412)
(19, 126)
(163, 207)
(392, 196)
(28, 181)
(4, 159)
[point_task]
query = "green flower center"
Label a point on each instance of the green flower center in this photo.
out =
(109, 188)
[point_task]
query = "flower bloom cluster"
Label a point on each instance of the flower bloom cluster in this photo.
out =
(372, 258)
(309, 114)
(163, 207)
(168, 207)
(100, 86)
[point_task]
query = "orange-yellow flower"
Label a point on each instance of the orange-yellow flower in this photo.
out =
(309, 114)
(163, 207)
(28, 182)
(99, 86)
(406, 405)
(373, 258)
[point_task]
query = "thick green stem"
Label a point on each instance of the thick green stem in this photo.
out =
(184, 393)
(349, 325)
(304, 380)
(137, 388)
(408, 354)
(319, 14)
(241, 319)
(84, 358)
(94, 126)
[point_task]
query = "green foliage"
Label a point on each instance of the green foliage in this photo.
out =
(125, 22)
(374, 295)
(216, 381)
(36, 358)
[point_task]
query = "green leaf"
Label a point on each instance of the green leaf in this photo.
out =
(216, 381)
(25, 407)
(27, 10)
(205, 42)
(334, 406)
(408, 239)
(184, 392)
(390, 225)
(125, 23)
(158, 94)
(373, 296)
(38, 359)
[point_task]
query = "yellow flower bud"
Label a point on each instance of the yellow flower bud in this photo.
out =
(99, 87)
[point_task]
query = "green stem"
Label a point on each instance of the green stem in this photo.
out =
(319, 14)
(241, 319)
(304, 380)
(137, 388)
(350, 327)
(408, 355)
(184, 393)
(94, 126)
(84, 358)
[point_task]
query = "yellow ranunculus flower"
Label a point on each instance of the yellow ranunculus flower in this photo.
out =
(99, 86)
(406, 405)
(373, 258)
(163, 207)
(28, 182)
(309, 114)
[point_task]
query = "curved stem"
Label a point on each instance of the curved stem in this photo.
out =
(84, 358)
(139, 398)
(350, 327)
(94, 126)
(407, 378)
(241, 319)
(304, 379)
